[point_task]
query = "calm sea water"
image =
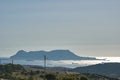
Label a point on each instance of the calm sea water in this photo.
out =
(64, 63)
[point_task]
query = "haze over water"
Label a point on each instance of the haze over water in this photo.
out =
(65, 63)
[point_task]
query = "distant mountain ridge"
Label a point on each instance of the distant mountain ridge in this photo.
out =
(51, 55)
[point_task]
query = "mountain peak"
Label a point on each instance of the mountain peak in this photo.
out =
(21, 52)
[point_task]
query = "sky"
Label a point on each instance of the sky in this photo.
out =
(86, 27)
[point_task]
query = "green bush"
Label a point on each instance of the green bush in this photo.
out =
(50, 77)
(30, 78)
(83, 78)
(70, 77)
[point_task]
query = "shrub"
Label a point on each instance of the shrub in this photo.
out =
(50, 77)
(70, 77)
(83, 78)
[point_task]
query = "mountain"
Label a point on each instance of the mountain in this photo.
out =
(51, 55)
(106, 69)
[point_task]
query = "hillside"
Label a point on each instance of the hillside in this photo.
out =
(18, 72)
(51, 55)
(107, 69)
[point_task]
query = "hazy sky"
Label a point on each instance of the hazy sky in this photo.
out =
(86, 27)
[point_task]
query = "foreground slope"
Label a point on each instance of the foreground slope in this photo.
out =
(19, 72)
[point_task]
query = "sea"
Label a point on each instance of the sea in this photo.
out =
(63, 63)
